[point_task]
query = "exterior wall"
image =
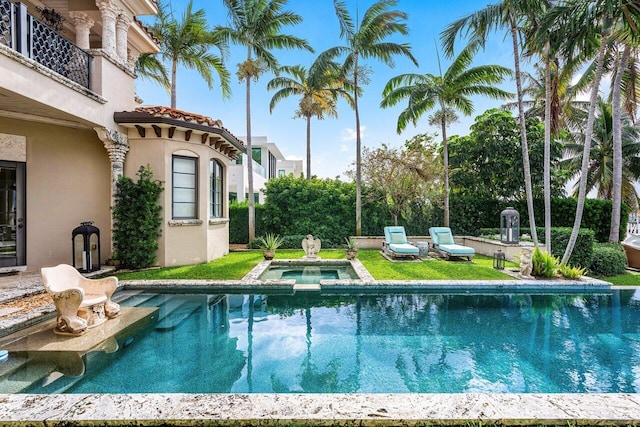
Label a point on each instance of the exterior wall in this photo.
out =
(68, 181)
(183, 242)
(293, 167)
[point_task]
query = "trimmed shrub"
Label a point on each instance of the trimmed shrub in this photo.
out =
(239, 222)
(582, 251)
(469, 215)
(137, 219)
(608, 260)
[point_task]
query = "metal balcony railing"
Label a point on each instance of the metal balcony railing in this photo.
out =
(22, 32)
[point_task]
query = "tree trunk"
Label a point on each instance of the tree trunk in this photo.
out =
(588, 133)
(523, 133)
(308, 148)
(547, 151)
(252, 209)
(174, 74)
(358, 153)
(616, 198)
(445, 162)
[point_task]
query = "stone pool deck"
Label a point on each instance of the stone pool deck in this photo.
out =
(308, 409)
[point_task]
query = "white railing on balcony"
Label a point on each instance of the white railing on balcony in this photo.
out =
(22, 32)
(259, 169)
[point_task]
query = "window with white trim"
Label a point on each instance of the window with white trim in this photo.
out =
(184, 187)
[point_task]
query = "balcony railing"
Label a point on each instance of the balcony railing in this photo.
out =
(22, 32)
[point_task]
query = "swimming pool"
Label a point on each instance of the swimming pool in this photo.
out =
(310, 272)
(387, 343)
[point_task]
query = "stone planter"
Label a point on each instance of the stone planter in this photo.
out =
(351, 253)
(268, 254)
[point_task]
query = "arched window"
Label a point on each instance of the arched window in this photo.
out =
(216, 188)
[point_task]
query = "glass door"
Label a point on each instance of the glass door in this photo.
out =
(12, 214)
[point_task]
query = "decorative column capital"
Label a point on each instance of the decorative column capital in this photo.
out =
(108, 9)
(81, 19)
(123, 21)
(116, 143)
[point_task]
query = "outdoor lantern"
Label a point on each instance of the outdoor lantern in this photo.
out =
(498, 260)
(510, 226)
(86, 247)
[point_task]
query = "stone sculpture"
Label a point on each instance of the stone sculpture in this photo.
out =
(81, 303)
(526, 264)
(311, 247)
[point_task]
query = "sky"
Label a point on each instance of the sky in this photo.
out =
(332, 140)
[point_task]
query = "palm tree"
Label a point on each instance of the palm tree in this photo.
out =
(256, 25)
(364, 40)
(600, 173)
(148, 66)
(512, 15)
(188, 42)
(587, 26)
(447, 92)
(318, 90)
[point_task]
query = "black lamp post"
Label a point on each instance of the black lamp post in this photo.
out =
(86, 247)
(498, 260)
(510, 226)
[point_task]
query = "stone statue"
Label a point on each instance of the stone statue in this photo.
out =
(526, 264)
(311, 247)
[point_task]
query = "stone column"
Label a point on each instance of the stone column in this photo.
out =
(83, 23)
(132, 58)
(109, 12)
(122, 28)
(117, 146)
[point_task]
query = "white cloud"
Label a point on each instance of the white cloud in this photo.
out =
(350, 134)
(344, 148)
(605, 87)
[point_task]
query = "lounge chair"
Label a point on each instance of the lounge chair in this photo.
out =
(396, 244)
(443, 244)
(631, 247)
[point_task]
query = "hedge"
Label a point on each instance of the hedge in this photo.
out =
(326, 208)
(469, 215)
(608, 260)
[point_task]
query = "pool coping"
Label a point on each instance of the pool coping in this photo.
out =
(319, 409)
(328, 409)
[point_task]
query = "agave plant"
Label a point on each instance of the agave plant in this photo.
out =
(270, 241)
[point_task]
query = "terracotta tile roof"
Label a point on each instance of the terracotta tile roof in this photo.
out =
(159, 111)
(146, 30)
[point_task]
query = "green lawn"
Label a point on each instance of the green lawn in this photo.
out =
(237, 264)
(627, 279)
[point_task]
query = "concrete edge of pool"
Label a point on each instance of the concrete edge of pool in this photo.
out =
(319, 409)
(329, 409)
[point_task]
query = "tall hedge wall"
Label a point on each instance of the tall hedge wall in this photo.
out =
(326, 209)
(469, 215)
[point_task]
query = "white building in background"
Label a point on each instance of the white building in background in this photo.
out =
(268, 163)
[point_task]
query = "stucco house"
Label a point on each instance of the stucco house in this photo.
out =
(66, 72)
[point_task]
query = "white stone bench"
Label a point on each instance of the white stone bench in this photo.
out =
(81, 303)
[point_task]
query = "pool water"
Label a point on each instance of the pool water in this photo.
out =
(388, 343)
(309, 274)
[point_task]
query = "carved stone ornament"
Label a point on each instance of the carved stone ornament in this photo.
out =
(311, 247)
(526, 264)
